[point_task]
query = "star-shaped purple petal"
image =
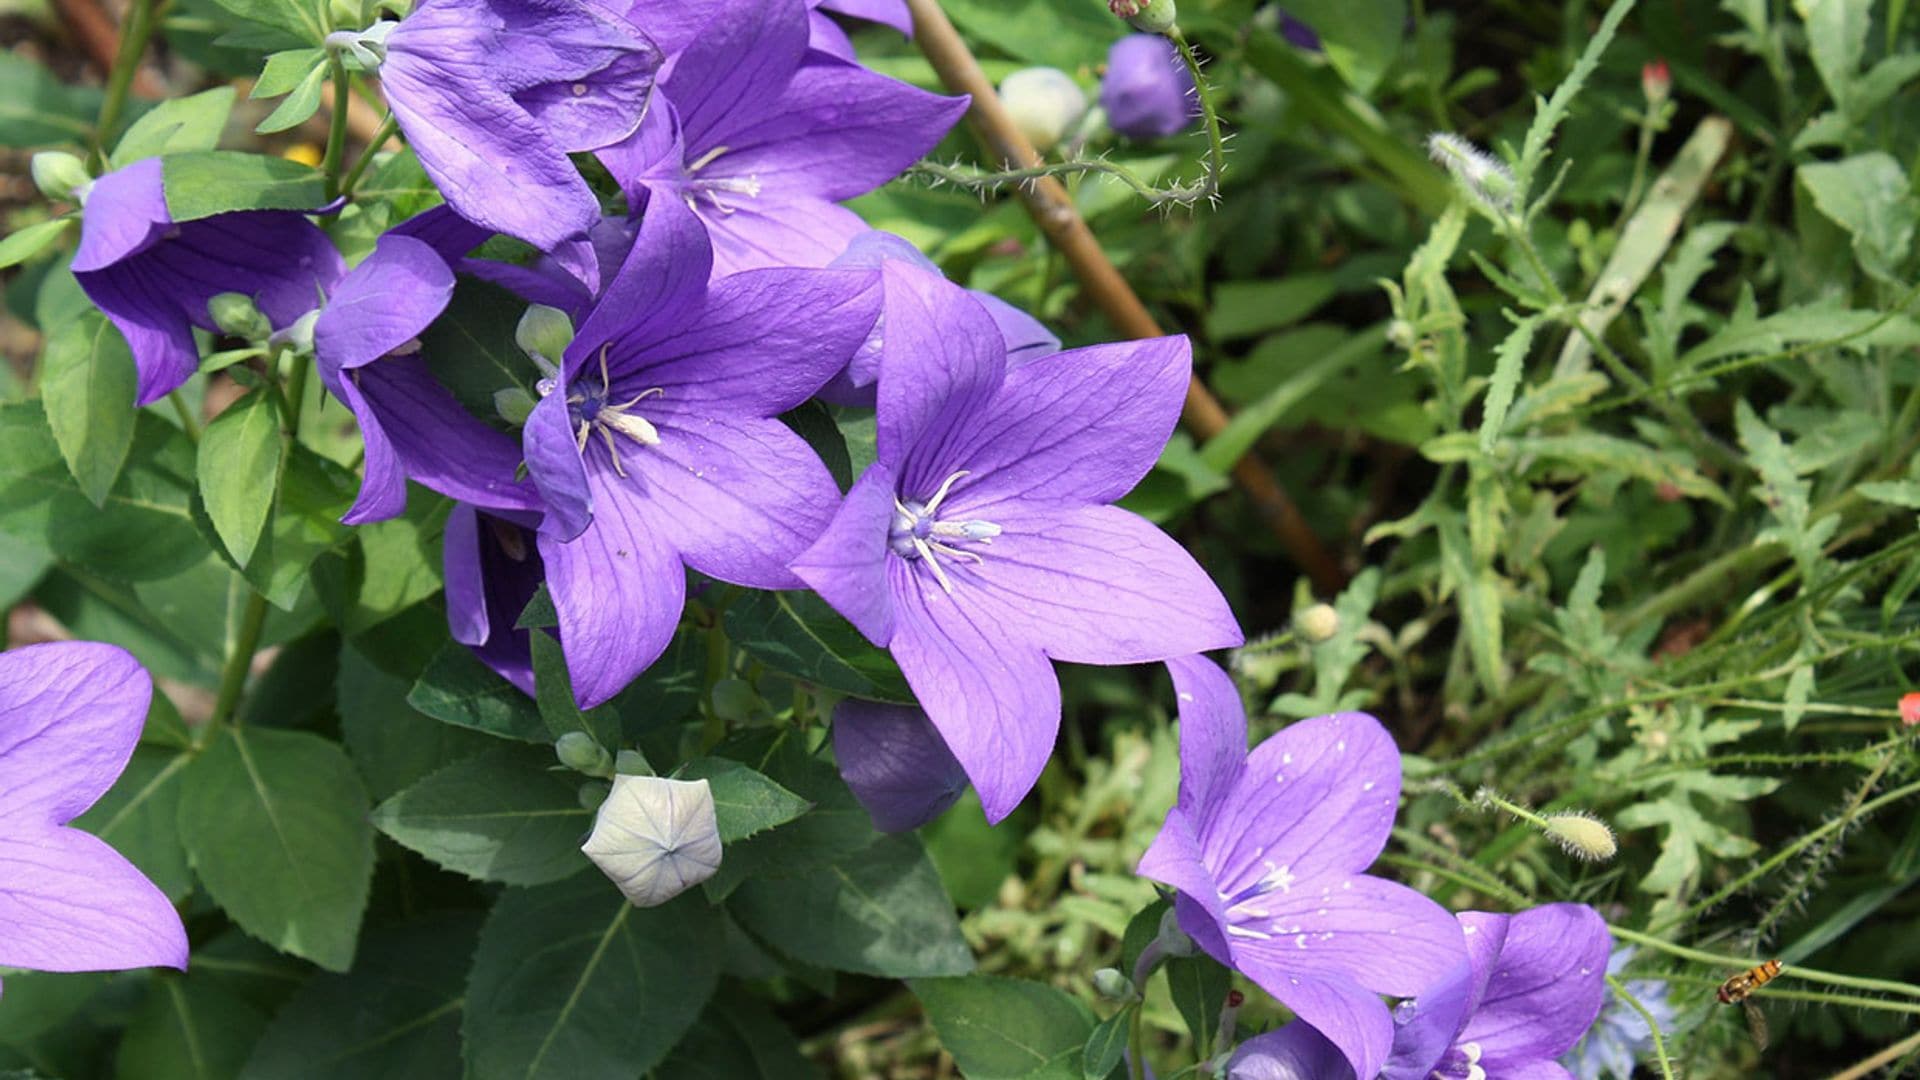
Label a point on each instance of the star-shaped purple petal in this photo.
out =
(1269, 849)
(980, 545)
(70, 714)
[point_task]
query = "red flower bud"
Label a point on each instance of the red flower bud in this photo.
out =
(1910, 709)
(1656, 81)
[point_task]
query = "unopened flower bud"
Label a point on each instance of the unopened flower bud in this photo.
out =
(1317, 623)
(237, 315)
(1147, 92)
(1112, 985)
(1656, 82)
(60, 175)
(1910, 709)
(1485, 178)
(1172, 940)
(513, 404)
(544, 333)
(1147, 16)
(1045, 103)
(655, 838)
(1582, 835)
(581, 752)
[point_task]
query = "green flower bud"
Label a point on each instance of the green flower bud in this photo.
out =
(237, 315)
(1147, 16)
(1112, 985)
(513, 404)
(581, 752)
(1317, 623)
(60, 175)
(544, 333)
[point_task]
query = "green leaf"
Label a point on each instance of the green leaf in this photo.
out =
(799, 634)
(1837, 40)
(393, 744)
(1199, 988)
(212, 182)
(286, 70)
(239, 471)
(314, 494)
(37, 109)
(87, 384)
(1232, 443)
(1360, 37)
(878, 911)
(471, 349)
(1550, 113)
(1901, 493)
(744, 801)
(504, 814)
(140, 817)
(396, 1014)
(23, 244)
(1108, 1044)
(305, 20)
(1509, 364)
(553, 692)
(176, 126)
(458, 689)
(301, 103)
(1065, 36)
(1869, 196)
(1477, 591)
(1006, 1029)
(189, 1029)
(738, 1040)
(571, 982)
(836, 827)
(144, 531)
(276, 825)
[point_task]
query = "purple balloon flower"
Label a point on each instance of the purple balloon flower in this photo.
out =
(367, 347)
(493, 95)
(659, 447)
(1147, 92)
(896, 763)
(492, 569)
(153, 276)
(70, 714)
(1026, 337)
(1530, 986)
(762, 142)
(980, 544)
(1269, 850)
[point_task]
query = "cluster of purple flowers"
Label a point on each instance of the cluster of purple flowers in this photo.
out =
(979, 546)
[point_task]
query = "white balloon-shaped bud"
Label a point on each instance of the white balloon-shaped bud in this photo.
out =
(1044, 103)
(655, 838)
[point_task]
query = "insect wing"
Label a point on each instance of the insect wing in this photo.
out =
(1756, 1023)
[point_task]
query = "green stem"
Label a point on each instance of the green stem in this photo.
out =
(380, 137)
(185, 413)
(1740, 963)
(233, 677)
(1653, 1026)
(133, 44)
(1216, 145)
(337, 129)
(1137, 1042)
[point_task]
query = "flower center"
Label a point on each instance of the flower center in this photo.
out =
(713, 187)
(919, 534)
(1461, 1063)
(594, 411)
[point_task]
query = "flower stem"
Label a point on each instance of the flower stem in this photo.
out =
(380, 137)
(1804, 974)
(233, 677)
(337, 127)
(1216, 145)
(133, 44)
(181, 410)
(1880, 1060)
(1137, 1045)
(1653, 1026)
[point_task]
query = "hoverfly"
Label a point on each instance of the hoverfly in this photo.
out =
(1740, 988)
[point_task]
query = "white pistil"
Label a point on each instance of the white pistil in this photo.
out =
(925, 543)
(748, 186)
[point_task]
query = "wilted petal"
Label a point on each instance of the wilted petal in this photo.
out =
(618, 588)
(1293, 1052)
(1077, 427)
(68, 902)
(996, 701)
(738, 497)
(1092, 585)
(896, 763)
(70, 714)
(1213, 733)
(848, 564)
(655, 838)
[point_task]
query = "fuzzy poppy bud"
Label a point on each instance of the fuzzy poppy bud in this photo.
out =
(1147, 16)
(1045, 103)
(60, 175)
(1484, 177)
(655, 838)
(1656, 82)
(1582, 835)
